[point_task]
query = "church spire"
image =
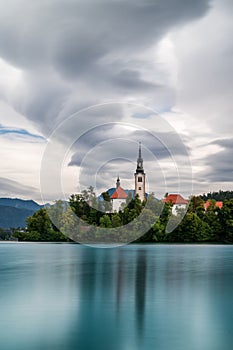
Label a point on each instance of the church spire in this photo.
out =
(140, 160)
(118, 182)
(140, 150)
(140, 177)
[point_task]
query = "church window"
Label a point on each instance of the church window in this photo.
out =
(139, 179)
(139, 188)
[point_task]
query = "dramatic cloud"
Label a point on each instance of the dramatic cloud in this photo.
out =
(92, 49)
(173, 56)
(10, 188)
(220, 164)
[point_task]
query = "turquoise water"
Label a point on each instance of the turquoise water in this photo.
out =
(65, 297)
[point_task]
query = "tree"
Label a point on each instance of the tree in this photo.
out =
(158, 231)
(166, 214)
(129, 198)
(106, 204)
(105, 221)
(135, 204)
(40, 223)
(69, 224)
(151, 203)
(191, 229)
(196, 205)
(116, 220)
(225, 216)
(79, 205)
(55, 213)
(39, 228)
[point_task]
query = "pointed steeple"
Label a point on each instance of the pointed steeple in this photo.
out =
(140, 177)
(140, 160)
(140, 150)
(118, 182)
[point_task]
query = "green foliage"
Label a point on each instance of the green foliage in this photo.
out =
(40, 228)
(225, 216)
(196, 205)
(191, 229)
(218, 196)
(106, 204)
(116, 220)
(129, 198)
(197, 225)
(105, 221)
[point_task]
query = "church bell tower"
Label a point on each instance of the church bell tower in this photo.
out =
(140, 177)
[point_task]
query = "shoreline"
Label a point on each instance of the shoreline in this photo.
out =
(120, 244)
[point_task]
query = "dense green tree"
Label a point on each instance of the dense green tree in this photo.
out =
(105, 221)
(129, 198)
(196, 205)
(55, 213)
(40, 222)
(79, 205)
(116, 220)
(218, 196)
(39, 227)
(158, 230)
(135, 204)
(105, 205)
(197, 225)
(153, 204)
(225, 216)
(166, 214)
(191, 229)
(70, 224)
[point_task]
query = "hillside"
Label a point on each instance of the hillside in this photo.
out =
(14, 211)
(11, 217)
(20, 203)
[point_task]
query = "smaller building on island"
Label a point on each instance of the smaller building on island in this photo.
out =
(118, 197)
(177, 202)
(217, 204)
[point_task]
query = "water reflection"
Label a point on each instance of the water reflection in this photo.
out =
(120, 278)
(136, 297)
(140, 290)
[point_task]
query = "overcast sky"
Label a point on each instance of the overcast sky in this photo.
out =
(155, 71)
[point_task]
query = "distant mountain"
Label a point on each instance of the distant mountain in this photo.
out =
(20, 203)
(11, 217)
(14, 211)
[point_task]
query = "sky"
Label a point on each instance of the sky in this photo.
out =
(82, 82)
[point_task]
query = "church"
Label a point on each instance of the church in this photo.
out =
(118, 195)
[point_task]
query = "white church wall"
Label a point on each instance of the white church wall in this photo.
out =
(116, 204)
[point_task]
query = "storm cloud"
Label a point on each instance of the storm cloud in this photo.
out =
(173, 56)
(91, 49)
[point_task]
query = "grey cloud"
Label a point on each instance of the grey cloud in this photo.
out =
(72, 31)
(205, 69)
(72, 38)
(11, 188)
(129, 79)
(160, 145)
(220, 164)
(226, 143)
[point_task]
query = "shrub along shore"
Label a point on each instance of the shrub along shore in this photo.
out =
(196, 225)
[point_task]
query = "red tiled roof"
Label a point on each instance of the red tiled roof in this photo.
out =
(119, 193)
(175, 199)
(217, 204)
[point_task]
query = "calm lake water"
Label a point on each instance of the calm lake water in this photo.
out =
(165, 297)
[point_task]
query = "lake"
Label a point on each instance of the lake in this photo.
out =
(136, 297)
